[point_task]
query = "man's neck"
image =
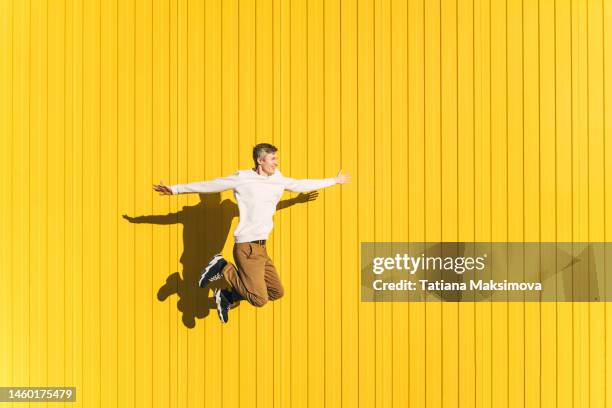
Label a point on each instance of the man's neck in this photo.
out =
(260, 171)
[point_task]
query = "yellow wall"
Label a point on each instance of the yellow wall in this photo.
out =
(459, 120)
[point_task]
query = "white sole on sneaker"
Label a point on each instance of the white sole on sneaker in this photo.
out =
(218, 301)
(212, 263)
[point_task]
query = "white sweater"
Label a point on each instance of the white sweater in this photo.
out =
(256, 196)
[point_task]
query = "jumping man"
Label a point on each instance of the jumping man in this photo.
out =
(257, 192)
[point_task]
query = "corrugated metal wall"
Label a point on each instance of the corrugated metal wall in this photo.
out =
(459, 120)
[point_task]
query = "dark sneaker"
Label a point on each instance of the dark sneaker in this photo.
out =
(213, 271)
(223, 305)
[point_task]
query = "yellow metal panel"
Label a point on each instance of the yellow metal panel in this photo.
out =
(548, 189)
(469, 120)
(564, 169)
(7, 163)
(399, 201)
(109, 304)
(126, 201)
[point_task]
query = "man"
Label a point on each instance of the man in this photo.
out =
(257, 192)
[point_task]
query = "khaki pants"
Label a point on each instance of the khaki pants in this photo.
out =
(254, 277)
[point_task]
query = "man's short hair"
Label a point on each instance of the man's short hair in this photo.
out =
(261, 150)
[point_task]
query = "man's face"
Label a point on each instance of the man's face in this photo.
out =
(269, 163)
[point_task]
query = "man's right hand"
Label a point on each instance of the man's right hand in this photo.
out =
(162, 189)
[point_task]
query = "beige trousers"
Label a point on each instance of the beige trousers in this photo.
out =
(254, 276)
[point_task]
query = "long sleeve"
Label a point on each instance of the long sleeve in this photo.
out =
(306, 185)
(209, 186)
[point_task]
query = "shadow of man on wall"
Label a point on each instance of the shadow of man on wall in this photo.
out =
(206, 227)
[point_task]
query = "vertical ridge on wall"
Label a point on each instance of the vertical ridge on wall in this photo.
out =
(548, 187)
(6, 178)
(563, 89)
(38, 204)
(417, 372)
(182, 173)
(211, 156)
(398, 198)
(382, 168)
(596, 191)
(264, 132)
(315, 168)
(432, 181)
(607, 130)
(466, 193)
(350, 201)
(366, 159)
(56, 174)
(332, 272)
(196, 344)
(499, 212)
(284, 228)
(161, 167)
(127, 150)
(297, 244)
(109, 307)
(91, 138)
(451, 330)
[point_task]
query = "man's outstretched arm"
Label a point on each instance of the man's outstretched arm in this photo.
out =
(209, 186)
(306, 185)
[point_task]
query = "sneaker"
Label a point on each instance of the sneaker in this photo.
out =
(213, 271)
(223, 305)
